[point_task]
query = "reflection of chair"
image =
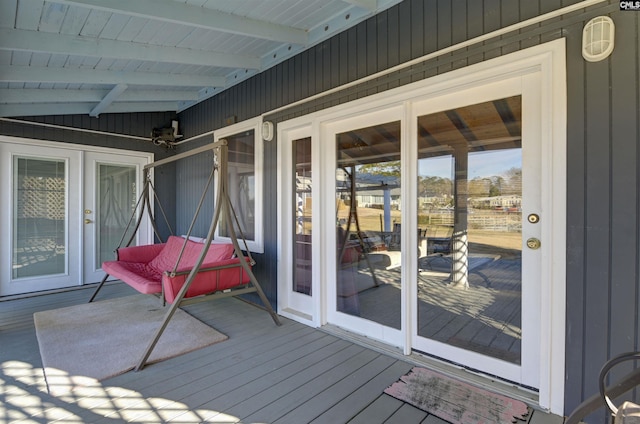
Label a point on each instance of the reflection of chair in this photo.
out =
(348, 250)
(395, 239)
(628, 412)
(439, 239)
(302, 263)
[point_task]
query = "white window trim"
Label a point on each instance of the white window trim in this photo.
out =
(257, 244)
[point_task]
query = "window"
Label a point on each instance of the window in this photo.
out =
(245, 183)
(302, 225)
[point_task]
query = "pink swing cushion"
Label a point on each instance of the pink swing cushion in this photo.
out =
(148, 268)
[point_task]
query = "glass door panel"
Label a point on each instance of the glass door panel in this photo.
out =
(368, 253)
(39, 217)
(242, 185)
(116, 198)
(470, 194)
(302, 223)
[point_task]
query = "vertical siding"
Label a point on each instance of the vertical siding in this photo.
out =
(576, 168)
(597, 220)
(603, 136)
(624, 186)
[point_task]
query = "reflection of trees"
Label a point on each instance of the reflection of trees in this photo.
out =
(513, 181)
(391, 168)
(510, 182)
(434, 186)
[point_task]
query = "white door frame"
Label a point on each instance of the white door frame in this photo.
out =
(9, 149)
(91, 159)
(297, 306)
(328, 131)
(547, 62)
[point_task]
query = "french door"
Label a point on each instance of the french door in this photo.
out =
(111, 190)
(63, 209)
(476, 295)
(436, 209)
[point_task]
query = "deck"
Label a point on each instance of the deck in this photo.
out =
(262, 374)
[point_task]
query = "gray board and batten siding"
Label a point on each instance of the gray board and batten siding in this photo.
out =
(603, 174)
(603, 133)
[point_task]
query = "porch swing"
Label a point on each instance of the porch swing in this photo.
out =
(183, 271)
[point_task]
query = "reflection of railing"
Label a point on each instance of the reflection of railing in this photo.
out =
(481, 220)
(436, 218)
(499, 221)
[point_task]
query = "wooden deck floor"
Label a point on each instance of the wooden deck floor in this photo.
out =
(262, 374)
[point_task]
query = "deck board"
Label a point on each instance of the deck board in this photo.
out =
(382, 408)
(263, 373)
(406, 414)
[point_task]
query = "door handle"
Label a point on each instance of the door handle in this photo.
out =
(88, 221)
(533, 243)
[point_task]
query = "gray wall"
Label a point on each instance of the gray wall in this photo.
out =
(603, 134)
(135, 124)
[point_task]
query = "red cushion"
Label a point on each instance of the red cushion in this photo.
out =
(138, 275)
(206, 281)
(166, 259)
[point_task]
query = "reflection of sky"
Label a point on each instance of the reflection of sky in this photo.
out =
(481, 164)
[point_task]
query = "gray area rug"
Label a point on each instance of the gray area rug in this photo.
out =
(83, 344)
(455, 401)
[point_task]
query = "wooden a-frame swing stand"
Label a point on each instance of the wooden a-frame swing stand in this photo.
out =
(223, 207)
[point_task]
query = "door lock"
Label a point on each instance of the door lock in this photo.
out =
(533, 218)
(533, 243)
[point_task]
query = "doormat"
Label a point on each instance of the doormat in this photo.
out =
(83, 344)
(455, 401)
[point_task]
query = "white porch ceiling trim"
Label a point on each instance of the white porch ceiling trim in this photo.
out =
(370, 5)
(40, 95)
(29, 74)
(40, 109)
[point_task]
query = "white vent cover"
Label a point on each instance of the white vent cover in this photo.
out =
(597, 39)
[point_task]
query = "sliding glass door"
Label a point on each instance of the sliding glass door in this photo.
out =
(364, 291)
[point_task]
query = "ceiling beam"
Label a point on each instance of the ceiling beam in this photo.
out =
(108, 99)
(36, 41)
(370, 5)
(53, 95)
(83, 108)
(25, 74)
(194, 16)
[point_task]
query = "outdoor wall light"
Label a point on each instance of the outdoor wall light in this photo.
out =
(598, 38)
(267, 131)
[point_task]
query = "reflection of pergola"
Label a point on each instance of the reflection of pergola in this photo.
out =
(493, 125)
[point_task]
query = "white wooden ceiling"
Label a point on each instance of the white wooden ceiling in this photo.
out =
(109, 56)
